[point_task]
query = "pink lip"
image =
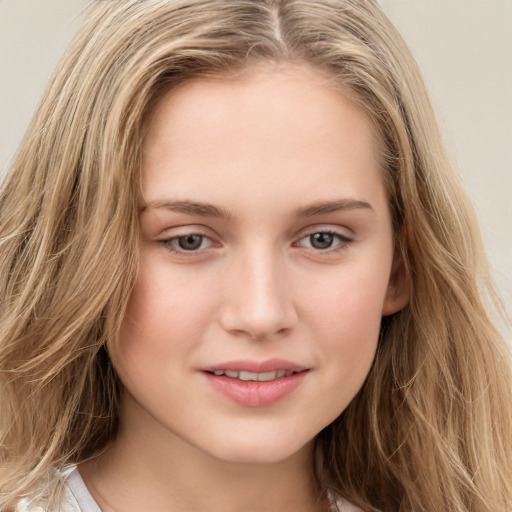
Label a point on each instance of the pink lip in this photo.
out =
(252, 393)
(271, 365)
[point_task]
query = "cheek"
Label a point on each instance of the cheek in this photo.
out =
(345, 316)
(166, 315)
(352, 338)
(347, 303)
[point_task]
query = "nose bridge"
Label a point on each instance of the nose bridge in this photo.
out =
(259, 303)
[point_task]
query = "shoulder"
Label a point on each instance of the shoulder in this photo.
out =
(341, 505)
(348, 507)
(68, 502)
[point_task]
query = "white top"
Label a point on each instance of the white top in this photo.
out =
(77, 498)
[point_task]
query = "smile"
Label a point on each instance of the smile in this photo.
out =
(253, 376)
(255, 389)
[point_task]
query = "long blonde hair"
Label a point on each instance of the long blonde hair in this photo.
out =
(431, 428)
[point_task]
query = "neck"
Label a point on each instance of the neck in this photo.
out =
(146, 471)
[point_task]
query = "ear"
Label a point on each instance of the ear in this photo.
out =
(398, 291)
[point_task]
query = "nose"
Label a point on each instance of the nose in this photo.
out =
(258, 301)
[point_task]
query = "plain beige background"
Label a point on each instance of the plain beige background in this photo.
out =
(464, 48)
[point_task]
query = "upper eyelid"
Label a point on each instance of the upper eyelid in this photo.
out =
(343, 232)
(170, 232)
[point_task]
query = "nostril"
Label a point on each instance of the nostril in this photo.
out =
(258, 327)
(258, 301)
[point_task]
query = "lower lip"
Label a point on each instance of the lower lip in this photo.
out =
(255, 394)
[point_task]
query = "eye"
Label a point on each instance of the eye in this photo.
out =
(323, 240)
(187, 243)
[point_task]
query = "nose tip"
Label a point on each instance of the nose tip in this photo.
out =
(259, 305)
(257, 323)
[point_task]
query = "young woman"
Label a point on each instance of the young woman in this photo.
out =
(238, 273)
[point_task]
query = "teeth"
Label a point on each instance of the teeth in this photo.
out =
(248, 376)
(252, 376)
(268, 376)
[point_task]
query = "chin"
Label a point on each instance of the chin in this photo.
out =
(260, 451)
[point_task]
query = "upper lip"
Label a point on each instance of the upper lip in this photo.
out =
(270, 365)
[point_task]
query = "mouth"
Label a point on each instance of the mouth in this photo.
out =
(256, 384)
(253, 376)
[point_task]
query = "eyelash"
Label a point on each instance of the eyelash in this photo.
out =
(342, 244)
(170, 244)
(343, 241)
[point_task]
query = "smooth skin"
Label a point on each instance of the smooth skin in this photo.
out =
(265, 233)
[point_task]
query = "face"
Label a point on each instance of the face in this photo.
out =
(266, 265)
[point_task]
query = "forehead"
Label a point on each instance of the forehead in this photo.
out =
(299, 91)
(285, 124)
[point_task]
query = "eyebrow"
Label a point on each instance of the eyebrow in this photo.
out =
(333, 206)
(209, 210)
(189, 208)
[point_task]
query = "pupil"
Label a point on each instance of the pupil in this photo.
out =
(190, 242)
(321, 240)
